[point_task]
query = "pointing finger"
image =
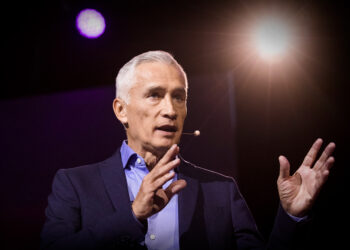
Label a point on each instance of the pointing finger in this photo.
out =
(169, 155)
(166, 168)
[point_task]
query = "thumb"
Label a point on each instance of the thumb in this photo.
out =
(175, 187)
(284, 167)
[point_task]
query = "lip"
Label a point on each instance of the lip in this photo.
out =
(167, 129)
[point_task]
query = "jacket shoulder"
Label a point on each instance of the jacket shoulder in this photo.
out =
(91, 170)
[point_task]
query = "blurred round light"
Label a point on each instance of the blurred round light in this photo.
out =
(90, 23)
(272, 38)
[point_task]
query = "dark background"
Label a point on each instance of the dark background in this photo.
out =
(57, 91)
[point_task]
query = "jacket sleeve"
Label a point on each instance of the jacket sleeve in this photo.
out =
(63, 230)
(284, 233)
(287, 233)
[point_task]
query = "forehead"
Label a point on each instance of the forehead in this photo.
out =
(157, 73)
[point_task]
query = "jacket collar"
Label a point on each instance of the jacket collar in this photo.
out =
(114, 178)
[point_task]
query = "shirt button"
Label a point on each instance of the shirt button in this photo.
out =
(152, 237)
(138, 160)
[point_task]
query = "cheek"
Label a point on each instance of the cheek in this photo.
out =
(143, 121)
(183, 114)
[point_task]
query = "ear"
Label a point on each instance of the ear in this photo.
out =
(119, 107)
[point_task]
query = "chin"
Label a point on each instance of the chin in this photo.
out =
(163, 144)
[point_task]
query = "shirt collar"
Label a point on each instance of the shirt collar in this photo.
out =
(129, 156)
(126, 154)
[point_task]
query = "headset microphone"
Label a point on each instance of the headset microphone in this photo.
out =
(195, 133)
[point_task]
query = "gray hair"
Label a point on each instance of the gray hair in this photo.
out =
(125, 77)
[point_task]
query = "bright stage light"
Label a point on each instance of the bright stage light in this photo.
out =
(90, 23)
(271, 38)
(270, 45)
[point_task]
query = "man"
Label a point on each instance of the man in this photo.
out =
(147, 196)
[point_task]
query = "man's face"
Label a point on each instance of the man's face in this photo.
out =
(157, 107)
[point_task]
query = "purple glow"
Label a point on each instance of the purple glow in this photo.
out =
(90, 23)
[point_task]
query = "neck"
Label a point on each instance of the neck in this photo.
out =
(150, 155)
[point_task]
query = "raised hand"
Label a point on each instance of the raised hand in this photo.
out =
(299, 191)
(151, 197)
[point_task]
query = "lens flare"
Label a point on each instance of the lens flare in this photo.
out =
(90, 23)
(271, 38)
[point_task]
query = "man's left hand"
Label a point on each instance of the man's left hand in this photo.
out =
(299, 191)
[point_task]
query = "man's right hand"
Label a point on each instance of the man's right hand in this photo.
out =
(151, 197)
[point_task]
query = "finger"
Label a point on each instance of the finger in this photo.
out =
(325, 155)
(162, 180)
(328, 164)
(311, 155)
(168, 156)
(166, 168)
(326, 167)
(175, 187)
(284, 167)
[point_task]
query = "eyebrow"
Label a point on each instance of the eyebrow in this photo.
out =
(154, 88)
(158, 88)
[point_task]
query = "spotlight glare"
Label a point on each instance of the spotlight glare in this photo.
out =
(90, 23)
(271, 38)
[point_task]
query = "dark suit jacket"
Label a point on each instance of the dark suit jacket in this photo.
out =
(89, 208)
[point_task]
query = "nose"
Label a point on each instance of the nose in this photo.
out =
(168, 109)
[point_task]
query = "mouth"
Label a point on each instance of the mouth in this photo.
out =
(169, 129)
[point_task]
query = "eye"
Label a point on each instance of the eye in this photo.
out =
(180, 97)
(154, 95)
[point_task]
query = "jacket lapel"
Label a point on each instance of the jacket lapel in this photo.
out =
(113, 176)
(187, 197)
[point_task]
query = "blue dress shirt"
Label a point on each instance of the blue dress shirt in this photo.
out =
(163, 227)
